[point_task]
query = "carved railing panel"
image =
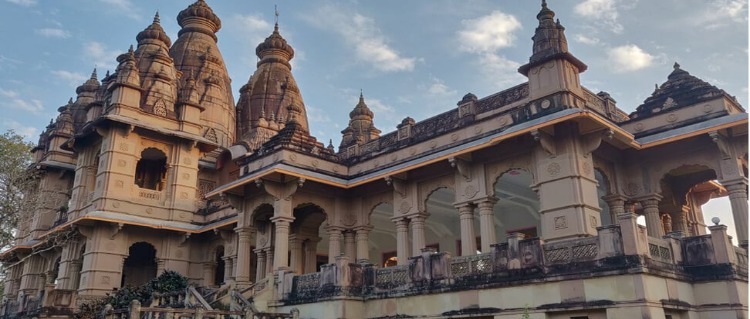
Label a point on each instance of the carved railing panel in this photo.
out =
(576, 250)
(660, 250)
(391, 277)
(471, 265)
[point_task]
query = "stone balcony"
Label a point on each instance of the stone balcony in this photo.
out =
(525, 261)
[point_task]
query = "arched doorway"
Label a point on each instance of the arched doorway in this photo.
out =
(140, 265)
(382, 238)
(517, 208)
(442, 226)
(305, 238)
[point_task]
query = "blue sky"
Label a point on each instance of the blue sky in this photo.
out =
(411, 58)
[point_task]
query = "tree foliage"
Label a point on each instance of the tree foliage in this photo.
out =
(17, 184)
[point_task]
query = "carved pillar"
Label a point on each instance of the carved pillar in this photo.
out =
(334, 243)
(680, 221)
(402, 240)
(295, 249)
(350, 245)
(363, 243)
(487, 224)
(75, 274)
(208, 273)
(243, 255)
(738, 199)
(281, 242)
(227, 268)
(417, 232)
(666, 221)
(311, 255)
(269, 261)
(616, 203)
(260, 269)
(650, 206)
(468, 237)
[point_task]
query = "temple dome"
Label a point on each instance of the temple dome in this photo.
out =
(275, 42)
(155, 32)
(199, 9)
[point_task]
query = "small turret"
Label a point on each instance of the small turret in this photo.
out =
(361, 128)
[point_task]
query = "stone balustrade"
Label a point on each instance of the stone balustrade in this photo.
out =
(520, 260)
(135, 311)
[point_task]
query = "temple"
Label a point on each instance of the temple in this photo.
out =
(525, 202)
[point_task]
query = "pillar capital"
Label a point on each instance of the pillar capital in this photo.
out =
(489, 200)
(615, 199)
(650, 200)
(281, 220)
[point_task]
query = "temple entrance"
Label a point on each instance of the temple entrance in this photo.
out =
(140, 265)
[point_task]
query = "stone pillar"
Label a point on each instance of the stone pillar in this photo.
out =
(334, 243)
(402, 240)
(417, 232)
(160, 263)
(666, 221)
(738, 199)
(350, 245)
(723, 248)
(363, 243)
(208, 273)
(227, 268)
(468, 237)
(487, 223)
(616, 203)
(295, 248)
(633, 241)
(680, 221)
(260, 269)
(75, 274)
(281, 242)
(650, 206)
(243, 255)
(269, 261)
(311, 255)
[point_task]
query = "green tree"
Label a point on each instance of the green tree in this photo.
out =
(18, 184)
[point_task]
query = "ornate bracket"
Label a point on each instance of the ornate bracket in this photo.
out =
(462, 166)
(399, 186)
(129, 128)
(191, 145)
(116, 228)
(546, 141)
(590, 142)
(722, 143)
(184, 239)
(280, 190)
(235, 201)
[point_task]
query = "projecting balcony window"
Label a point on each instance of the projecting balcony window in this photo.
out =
(151, 170)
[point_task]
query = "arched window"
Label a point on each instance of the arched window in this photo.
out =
(140, 265)
(151, 169)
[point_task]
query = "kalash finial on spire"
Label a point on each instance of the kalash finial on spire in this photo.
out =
(93, 74)
(276, 23)
(156, 17)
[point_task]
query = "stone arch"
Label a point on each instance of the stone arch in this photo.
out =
(496, 177)
(517, 208)
(306, 237)
(442, 229)
(382, 238)
(677, 187)
(151, 169)
(427, 188)
(218, 254)
(140, 265)
(494, 170)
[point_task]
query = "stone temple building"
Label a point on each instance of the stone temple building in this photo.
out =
(519, 203)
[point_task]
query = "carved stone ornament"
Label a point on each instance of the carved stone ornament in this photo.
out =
(592, 221)
(553, 169)
(348, 219)
(470, 191)
(405, 207)
(632, 189)
(561, 222)
(587, 168)
(262, 239)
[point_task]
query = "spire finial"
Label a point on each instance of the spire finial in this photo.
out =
(276, 13)
(544, 3)
(70, 101)
(676, 66)
(93, 74)
(361, 94)
(157, 20)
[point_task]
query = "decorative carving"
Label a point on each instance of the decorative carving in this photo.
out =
(160, 108)
(470, 191)
(210, 135)
(121, 163)
(348, 219)
(722, 143)
(638, 127)
(405, 207)
(124, 147)
(592, 221)
(632, 189)
(115, 229)
(561, 222)
(587, 168)
(462, 166)
(399, 185)
(671, 118)
(553, 169)
(546, 141)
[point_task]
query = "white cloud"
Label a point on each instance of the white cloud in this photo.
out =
(500, 70)
(630, 57)
(603, 12)
(586, 39)
(30, 133)
(439, 89)
(722, 13)
(12, 99)
(25, 3)
(72, 78)
(8, 62)
(53, 33)
(100, 55)
(124, 7)
(361, 32)
(488, 33)
(253, 27)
